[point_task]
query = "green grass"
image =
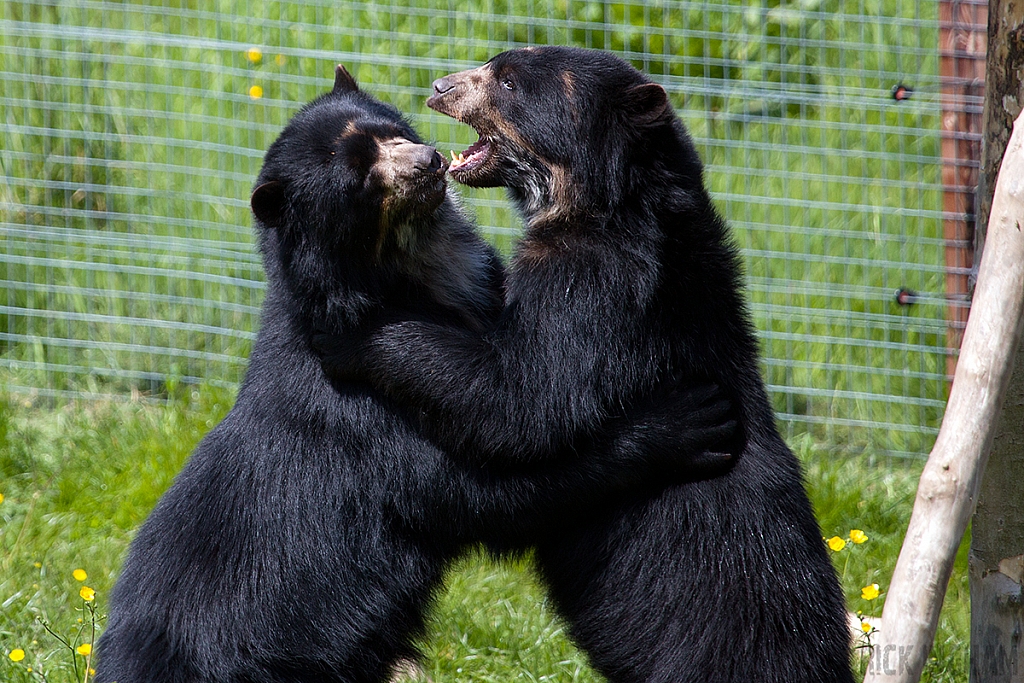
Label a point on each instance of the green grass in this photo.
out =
(125, 168)
(129, 151)
(78, 480)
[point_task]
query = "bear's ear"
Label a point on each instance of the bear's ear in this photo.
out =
(343, 81)
(647, 103)
(267, 203)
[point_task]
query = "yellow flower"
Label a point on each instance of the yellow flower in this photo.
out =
(87, 594)
(869, 592)
(85, 649)
(836, 543)
(1, 497)
(79, 575)
(254, 55)
(255, 92)
(17, 655)
(866, 627)
(858, 536)
(37, 565)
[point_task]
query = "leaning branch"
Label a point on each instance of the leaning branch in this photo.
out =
(948, 488)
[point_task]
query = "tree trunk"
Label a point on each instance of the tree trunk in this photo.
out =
(950, 480)
(997, 540)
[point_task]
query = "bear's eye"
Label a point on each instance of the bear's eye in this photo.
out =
(507, 83)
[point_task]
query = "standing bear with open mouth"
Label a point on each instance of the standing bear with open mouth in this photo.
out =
(626, 274)
(305, 537)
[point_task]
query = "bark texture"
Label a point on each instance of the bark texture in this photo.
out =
(950, 481)
(997, 528)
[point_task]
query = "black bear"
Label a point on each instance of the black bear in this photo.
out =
(625, 274)
(305, 535)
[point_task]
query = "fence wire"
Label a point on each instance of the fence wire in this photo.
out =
(132, 133)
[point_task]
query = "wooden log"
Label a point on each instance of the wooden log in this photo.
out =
(949, 483)
(996, 560)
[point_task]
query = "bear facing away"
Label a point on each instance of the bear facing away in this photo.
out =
(626, 273)
(305, 535)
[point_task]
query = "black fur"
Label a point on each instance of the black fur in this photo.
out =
(626, 273)
(305, 535)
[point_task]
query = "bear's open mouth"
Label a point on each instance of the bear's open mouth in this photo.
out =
(472, 158)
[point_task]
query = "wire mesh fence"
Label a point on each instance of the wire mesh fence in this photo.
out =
(132, 133)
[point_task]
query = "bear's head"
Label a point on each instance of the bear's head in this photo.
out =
(563, 128)
(348, 174)
(352, 213)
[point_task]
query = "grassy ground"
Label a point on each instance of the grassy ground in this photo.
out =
(77, 480)
(129, 150)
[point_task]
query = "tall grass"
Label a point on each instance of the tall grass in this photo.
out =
(131, 141)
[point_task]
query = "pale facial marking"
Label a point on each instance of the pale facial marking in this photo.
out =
(402, 181)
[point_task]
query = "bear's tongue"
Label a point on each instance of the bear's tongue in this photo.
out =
(472, 157)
